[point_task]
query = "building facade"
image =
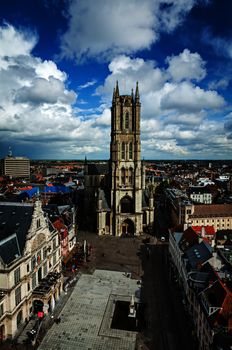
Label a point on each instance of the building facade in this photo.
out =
(15, 167)
(30, 265)
(124, 205)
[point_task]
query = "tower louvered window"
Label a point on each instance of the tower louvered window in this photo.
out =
(127, 121)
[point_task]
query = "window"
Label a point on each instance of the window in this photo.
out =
(17, 275)
(127, 205)
(1, 310)
(28, 286)
(45, 270)
(33, 262)
(130, 177)
(44, 253)
(188, 211)
(39, 257)
(33, 280)
(54, 259)
(54, 243)
(17, 295)
(123, 150)
(130, 150)
(127, 121)
(28, 267)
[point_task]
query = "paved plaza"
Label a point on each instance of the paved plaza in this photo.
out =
(86, 318)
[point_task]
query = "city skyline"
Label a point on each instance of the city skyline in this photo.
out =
(60, 60)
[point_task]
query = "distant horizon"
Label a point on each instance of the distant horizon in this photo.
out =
(145, 160)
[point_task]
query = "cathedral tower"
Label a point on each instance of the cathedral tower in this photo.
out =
(127, 174)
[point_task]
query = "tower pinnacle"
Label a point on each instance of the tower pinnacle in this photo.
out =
(137, 91)
(117, 90)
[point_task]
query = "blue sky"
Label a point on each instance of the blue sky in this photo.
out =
(60, 59)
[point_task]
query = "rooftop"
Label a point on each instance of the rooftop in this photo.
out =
(212, 210)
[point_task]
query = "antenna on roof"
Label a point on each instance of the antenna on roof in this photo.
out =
(9, 152)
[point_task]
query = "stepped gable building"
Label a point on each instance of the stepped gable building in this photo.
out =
(122, 203)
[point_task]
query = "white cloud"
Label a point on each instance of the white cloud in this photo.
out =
(45, 91)
(186, 65)
(219, 84)
(221, 45)
(15, 42)
(46, 69)
(188, 98)
(87, 84)
(36, 105)
(104, 119)
(111, 28)
(129, 70)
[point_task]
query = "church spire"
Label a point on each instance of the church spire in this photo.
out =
(137, 91)
(117, 90)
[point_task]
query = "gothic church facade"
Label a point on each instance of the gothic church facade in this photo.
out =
(123, 204)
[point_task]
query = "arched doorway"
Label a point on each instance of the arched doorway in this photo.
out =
(19, 318)
(127, 228)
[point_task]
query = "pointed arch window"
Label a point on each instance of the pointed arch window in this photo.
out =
(123, 150)
(123, 176)
(130, 177)
(130, 150)
(127, 120)
(127, 205)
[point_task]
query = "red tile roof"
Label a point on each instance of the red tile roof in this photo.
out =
(209, 230)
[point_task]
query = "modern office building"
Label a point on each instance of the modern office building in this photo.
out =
(15, 167)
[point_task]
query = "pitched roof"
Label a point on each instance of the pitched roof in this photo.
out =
(15, 221)
(212, 210)
(209, 230)
(188, 239)
(198, 254)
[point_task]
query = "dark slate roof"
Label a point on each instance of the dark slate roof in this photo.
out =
(198, 254)
(15, 221)
(98, 169)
